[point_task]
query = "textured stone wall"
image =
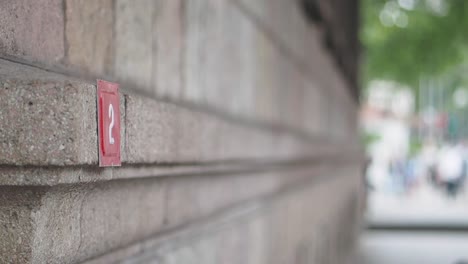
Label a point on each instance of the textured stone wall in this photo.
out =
(239, 141)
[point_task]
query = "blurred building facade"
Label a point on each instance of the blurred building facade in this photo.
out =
(238, 128)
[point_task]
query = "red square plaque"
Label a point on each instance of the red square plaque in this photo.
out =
(108, 123)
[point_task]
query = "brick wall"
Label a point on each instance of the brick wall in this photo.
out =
(239, 141)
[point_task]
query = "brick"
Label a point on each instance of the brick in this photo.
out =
(208, 194)
(89, 28)
(195, 53)
(158, 45)
(291, 94)
(179, 135)
(259, 232)
(46, 119)
(210, 183)
(313, 106)
(68, 224)
(301, 45)
(32, 30)
(287, 24)
(233, 245)
(231, 89)
(151, 131)
(71, 223)
(168, 47)
(273, 85)
(133, 62)
(52, 121)
(257, 237)
(16, 205)
(218, 58)
(267, 79)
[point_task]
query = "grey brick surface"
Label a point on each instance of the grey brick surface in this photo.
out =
(16, 207)
(134, 53)
(237, 57)
(50, 120)
(71, 223)
(89, 32)
(239, 137)
(32, 30)
(290, 227)
(168, 48)
(181, 135)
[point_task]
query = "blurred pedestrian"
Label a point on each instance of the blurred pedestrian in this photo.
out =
(450, 168)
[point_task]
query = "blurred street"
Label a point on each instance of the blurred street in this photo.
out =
(413, 247)
(421, 226)
(425, 206)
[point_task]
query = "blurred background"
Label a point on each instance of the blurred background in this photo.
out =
(415, 130)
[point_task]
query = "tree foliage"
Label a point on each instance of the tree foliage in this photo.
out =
(402, 43)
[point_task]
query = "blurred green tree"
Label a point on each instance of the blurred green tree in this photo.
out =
(406, 39)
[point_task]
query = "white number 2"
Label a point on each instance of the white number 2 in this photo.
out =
(111, 125)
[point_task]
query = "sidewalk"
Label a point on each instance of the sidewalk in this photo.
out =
(425, 207)
(413, 247)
